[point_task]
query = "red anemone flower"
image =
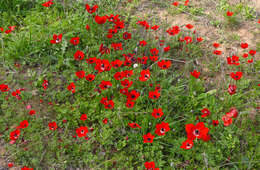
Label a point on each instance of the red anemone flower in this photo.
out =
(83, 117)
(80, 74)
(237, 75)
(164, 64)
(56, 39)
(145, 75)
(189, 26)
(79, 55)
(176, 3)
(74, 40)
(154, 94)
(126, 83)
(162, 128)
(215, 122)
(229, 13)
(52, 125)
(127, 36)
(195, 74)
(48, 3)
(90, 77)
(244, 45)
(100, 19)
(216, 45)
(187, 144)
(227, 120)
(32, 112)
(134, 125)
(117, 63)
(15, 134)
(142, 43)
(130, 104)
(133, 95)
(205, 112)
(155, 27)
(198, 131)
(148, 138)
(232, 89)
(233, 113)
(82, 131)
(92, 9)
(24, 124)
(105, 84)
(71, 87)
(157, 113)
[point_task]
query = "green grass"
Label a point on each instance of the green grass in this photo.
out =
(182, 96)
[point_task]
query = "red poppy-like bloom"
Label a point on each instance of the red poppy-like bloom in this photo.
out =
(79, 55)
(252, 52)
(215, 122)
(103, 49)
(100, 19)
(154, 94)
(155, 27)
(205, 112)
(74, 40)
(232, 89)
(105, 84)
(229, 13)
(48, 3)
(154, 58)
(91, 60)
(227, 120)
(56, 39)
(127, 36)
(145, 75)
(23, 124)
(17, 94)
(52, 125)
(217, 52)
(83, 117)
(4, 88)
(189, 26)
(233, 113)
(80, 74)
(195, 74)
(15, 134)
(216, 45)
(10, 165)
(245, 55)
(102, 65)
(117, 63)
(199, 39)
(233, 60)
(82, 131)
(124, 91)
(126, 83)
(142, 60)
(198, 131)
(117, 46)
(164, 64)
(92, 9)
(144, 24)
(157, 113)
(165, 49)
(133, 95)
(176, 3)
(148, 138)
(244, 45)
(237, 75)
(26, 168)
(142, 43)
(105, 121)
(150, 166)
(45, 84)
(87, 27)
(1, 29)
(110, 104)
(162, 128)
(173, 31)
(129, 103)
(90, 77)
(134, 125)
(250, 61)
(128, 73)
(119, 75)
(187, 144)
(154, 51)
(71, 87)
(32, 112)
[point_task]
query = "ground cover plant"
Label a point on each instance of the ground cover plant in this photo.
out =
(97, 85)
